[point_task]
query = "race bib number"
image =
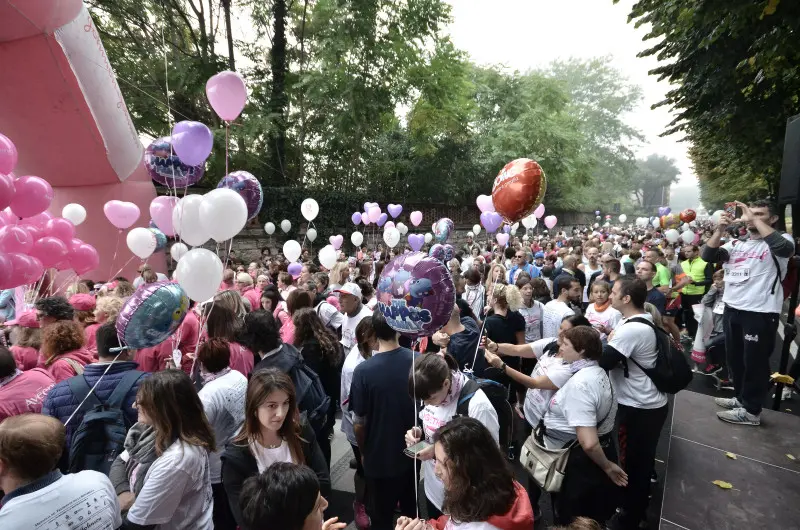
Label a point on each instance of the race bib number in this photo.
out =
(737, 275)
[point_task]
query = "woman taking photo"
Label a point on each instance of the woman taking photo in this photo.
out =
(480, 492)
(273, 432)
(177, 487)
(437, 381)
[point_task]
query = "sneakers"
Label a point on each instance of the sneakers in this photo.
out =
(361, 518)
(711, 369)
(728, 403)
(739, 416)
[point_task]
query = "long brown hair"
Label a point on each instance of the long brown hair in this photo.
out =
(262, 384)
(171, 403)
(308, 325)
(481, 482)
(60, 337)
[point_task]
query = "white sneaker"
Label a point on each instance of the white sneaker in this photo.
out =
(728, 403)
(787, 393)
(739, 416)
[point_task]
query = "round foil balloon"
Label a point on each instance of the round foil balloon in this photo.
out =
(437, 252)
(670, 221)
(688, 215)
(442, 229)
(449, 253)
(161, 239)
(248, 187)
(152, 314)
(518, 189)
(416, 294)
(166, 168)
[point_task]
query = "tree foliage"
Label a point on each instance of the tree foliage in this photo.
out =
(736, 70)
(654, 176)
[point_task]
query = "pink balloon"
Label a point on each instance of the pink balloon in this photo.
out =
(374, 213)
(227, 94)
(84, 258)
(161, 213)
(502, 239)
(388, 225)
(35, 232)
(7, 217)
(485, 203)
(550, 221)
(6, 270)
(365, 218)
(33, 272)
(8, 155)
(39, 220)
(33, 195)
(336, 241)
(15, 239)
(416, 217)
(49, 250)
(60, 228)
(539, 211)
(7, 190)
(75, 243)
(18, 263)
(121, 214)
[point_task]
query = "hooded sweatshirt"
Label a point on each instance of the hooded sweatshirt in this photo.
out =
(27, 358)
(65, 365)
(519, 517)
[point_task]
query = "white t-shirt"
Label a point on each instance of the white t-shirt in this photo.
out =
(329, 315)
(265, 457)
(352, 360)
(483, 525)
(607, 319)
(554, 312)
(555, 369)
(177, 491)
(433, 418)
(79, 500)
(584, 401)
(223, 401)
(349, 327)
(637, 340)
(533, 321)
(749, 275)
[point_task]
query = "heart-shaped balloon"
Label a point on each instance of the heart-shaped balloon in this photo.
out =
(502, 239)
(121, 214)
(518, 189)
(539, 211)
(416, 241)
(507, 229)
(382, 219)
(485, 203)
(336, 241)
(550, 221)
(491, 221)
(664, 210)
(416, 217)
(395, 210)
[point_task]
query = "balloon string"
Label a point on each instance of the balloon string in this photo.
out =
(416, 421)
(114, 259)
(68, 279)
(483, 324)
(227, 129)
(111, 278)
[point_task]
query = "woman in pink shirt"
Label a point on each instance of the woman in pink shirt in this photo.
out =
(63, 350)
(244, 283)
(26, 338)
(84, 305)
(221, 323)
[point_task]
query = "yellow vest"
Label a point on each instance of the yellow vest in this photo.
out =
(696, 270)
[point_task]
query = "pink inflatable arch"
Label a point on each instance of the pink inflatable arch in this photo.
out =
(61, 105)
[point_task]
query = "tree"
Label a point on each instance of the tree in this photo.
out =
(654, 175)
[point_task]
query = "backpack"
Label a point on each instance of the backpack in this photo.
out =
(100, 436)
(311, 397)
(671, 372)
(498, 396)
(789, 280)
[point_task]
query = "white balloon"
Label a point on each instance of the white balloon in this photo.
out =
(428, 237)
(311, 234)
(327, 256)
(656, 223)
(402, 228)
(178, 250)
(310, 209)
(142, 242)
(223, 214)
(596, 225)
(514, 228)
(186, 220)
(269, 228)
(684, 227)
(476, 229)
(286, 225)
(391, 236)
(715, 217)
(292, 250)
(74, 213)
(672, 235)
(199, 272)
(623, 218)
(356, 238)
(687, 237)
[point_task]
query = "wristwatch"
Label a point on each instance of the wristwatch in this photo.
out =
(503, 367)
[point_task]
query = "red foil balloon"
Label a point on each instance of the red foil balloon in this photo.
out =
(688, 215)
(518, 189)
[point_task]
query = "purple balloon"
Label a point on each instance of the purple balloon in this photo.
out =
(449, 253)
(416, 294)
(416, 241)
(192, 142)
(294, 269)
(356, 218)
(507, 229)
(167, 168)
(437, 252)
(491, 221)
(248, 187)
(382, 219)
(664, 210)
(395, 210)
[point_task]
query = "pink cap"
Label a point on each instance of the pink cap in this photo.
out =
(82, 302)
(26, 319)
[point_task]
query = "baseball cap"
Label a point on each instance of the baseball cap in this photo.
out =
(350, 288)
(470, 234)
(539, 254)
(82, 302)
(26, 319)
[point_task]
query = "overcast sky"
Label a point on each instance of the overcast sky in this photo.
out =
(525, 34)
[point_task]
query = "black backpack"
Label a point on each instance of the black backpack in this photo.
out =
(671, 372)
(311, 397)
(498, 396)
(100, 437)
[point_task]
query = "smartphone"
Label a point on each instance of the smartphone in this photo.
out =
(730, 209)
(415, 449)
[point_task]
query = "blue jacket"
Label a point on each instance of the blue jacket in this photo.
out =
(60, 403)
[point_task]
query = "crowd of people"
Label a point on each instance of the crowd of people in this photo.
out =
(228, 424)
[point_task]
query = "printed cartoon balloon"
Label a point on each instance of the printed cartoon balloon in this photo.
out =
(416, 294)
(166, 168)
(437, 252)
(248, 188)
(442, 229)
(152, 314)
(670, 221)
(449, 253)
(688, 215)
(518, 189)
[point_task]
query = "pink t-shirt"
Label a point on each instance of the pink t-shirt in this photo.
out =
(90, 332)
(25, 393)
